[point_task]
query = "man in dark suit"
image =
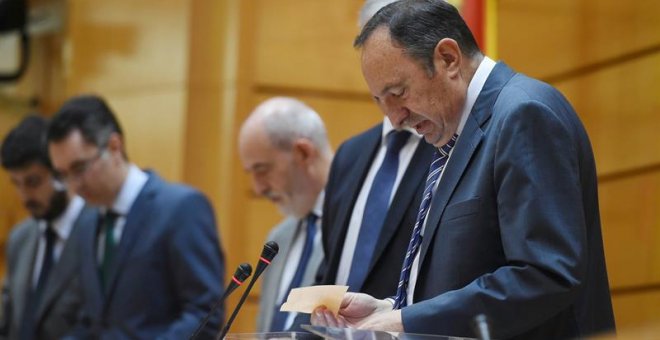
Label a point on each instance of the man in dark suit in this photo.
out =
(371, 264)
(509, 225)
(351, 179)
(152, 265)
(41, 298)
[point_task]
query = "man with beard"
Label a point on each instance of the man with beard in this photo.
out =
(40, 297)
(284, 147)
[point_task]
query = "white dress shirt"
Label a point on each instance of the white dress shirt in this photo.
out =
(296, 252)
(130, 189)
(62, 227)
(405, 155)
(474, 88)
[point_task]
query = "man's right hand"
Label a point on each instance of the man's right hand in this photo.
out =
(359, 310)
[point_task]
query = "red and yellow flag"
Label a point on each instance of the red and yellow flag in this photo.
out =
(481, 17)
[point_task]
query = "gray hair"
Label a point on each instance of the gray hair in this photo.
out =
(370, 8)
(287, 119)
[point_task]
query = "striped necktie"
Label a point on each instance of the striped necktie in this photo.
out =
(437, 166)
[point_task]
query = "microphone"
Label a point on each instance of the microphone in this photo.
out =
(480, 324)
(242, 272)
(267, 254)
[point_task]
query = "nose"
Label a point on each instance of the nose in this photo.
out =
(259, 187)
(396, 113)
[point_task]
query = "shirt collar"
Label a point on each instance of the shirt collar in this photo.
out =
(130, 189)
(474, 88)
(318, 205)
(387, 128)
(63, 224)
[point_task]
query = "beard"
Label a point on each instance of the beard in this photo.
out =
(58, 204)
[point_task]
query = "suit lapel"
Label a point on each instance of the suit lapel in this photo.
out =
(465, 146)
(134, 226)
(24, 266)
(405, 194)
(467, 143)
(68, 263)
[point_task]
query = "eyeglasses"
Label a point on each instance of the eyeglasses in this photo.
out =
(80, 167)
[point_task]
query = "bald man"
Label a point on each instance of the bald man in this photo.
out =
(284, 147)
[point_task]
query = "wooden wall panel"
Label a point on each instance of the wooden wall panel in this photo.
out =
(307, 44)
(153, 124)
(619, 107)
(563, 34)
(637, 311)
(127, 46)
(631, 227)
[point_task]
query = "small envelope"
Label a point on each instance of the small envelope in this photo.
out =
(305, 299)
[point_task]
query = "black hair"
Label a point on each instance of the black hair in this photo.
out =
(418, 26)
(26, 144)
(88, 114)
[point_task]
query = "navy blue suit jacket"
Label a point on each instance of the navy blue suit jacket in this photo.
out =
(347, 173)
(514, 228)
(168, 269)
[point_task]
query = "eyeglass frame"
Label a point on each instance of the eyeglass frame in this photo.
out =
(80, 167)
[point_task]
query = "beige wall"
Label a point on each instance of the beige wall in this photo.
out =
(182, 75)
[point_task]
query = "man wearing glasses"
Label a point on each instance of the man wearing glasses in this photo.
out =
(152, 265)
(40, 299)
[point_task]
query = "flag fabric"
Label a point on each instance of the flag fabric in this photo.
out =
(481, 17)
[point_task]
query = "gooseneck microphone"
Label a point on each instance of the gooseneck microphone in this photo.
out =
(267, 255)
(240, 275)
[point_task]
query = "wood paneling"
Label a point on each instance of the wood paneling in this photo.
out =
(619, 107)
(637, 311)
(127, 46)
(631, 229)
(307, 44)
(543, 38)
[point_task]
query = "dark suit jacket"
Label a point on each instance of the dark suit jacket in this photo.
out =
(514, 229)
(347, 173)
(168, 269)
(57, 311)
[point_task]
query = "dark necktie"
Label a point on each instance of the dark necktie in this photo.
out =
(375, 210)
(437, 166)
(27, 330)
(48, 260)
(279, 318)
(110, 245)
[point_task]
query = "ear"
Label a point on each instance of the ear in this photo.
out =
(304, 151)
(115, 143)
(447, 57)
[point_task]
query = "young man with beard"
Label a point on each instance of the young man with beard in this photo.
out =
(40, 295)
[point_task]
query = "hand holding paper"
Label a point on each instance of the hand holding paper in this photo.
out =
(306, 299)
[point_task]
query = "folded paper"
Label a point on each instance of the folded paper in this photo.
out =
(306, 299)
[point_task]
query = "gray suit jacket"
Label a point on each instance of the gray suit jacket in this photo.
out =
(58, 309)
(284, 234)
